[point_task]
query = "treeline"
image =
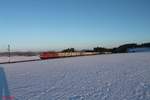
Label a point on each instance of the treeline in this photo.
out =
(124, 48)
(121, 49)
(69, 50)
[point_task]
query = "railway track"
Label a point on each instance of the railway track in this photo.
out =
(41, 59)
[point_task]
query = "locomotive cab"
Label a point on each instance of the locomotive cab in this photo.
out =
(48, 55)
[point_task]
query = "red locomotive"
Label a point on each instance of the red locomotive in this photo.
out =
(49, 55)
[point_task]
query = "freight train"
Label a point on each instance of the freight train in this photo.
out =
(51, 55)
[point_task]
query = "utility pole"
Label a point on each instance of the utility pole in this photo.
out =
(9, 53)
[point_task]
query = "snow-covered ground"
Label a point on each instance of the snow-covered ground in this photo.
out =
(144, 49)
(100, 77)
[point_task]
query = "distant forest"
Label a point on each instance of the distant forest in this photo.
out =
(121, 49)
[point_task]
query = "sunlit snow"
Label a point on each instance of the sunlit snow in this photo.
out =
(100, 77)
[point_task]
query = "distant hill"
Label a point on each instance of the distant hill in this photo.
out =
(20, 53)
(124, 48)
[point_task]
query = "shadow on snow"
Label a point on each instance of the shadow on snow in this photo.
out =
(4, 91)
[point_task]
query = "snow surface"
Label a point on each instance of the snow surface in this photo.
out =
(100, 77)
(146, 49)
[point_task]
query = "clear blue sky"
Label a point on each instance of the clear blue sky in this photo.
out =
(58, 24)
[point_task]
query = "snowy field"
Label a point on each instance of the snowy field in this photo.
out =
(100, 77)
